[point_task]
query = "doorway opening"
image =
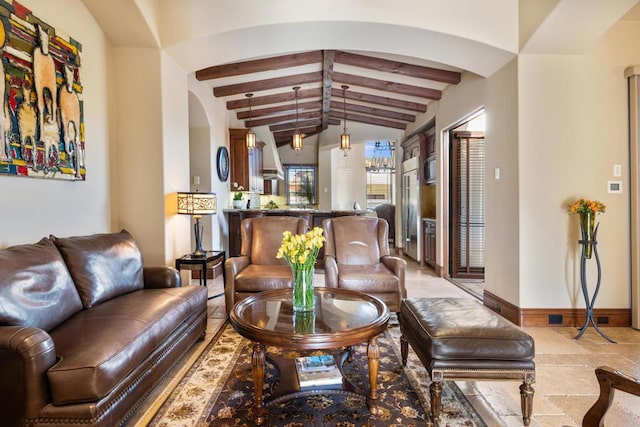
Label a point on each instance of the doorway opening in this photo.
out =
(467, 205)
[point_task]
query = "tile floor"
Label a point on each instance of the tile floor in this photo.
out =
(566, 385)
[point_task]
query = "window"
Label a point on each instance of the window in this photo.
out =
(300, 183)
(381, 172)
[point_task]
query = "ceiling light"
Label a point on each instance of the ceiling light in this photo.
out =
(296, 141)
(250, 137)
(345, 138)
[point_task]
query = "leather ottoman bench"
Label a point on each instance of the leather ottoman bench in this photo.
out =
(460, 339)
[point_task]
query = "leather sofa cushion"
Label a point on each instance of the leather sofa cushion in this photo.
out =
(258, 278)
(367, 278)
(98, 347)
(103, 266)
(460, 328)
(36, 288)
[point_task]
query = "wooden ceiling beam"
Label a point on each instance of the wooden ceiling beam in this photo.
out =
(303, 130)
(337, 106)
(327, 82)
(316, 105)
(387, 86)
(379, 100)
(282, 140)
(304, 123)
(395, 67)
(368, 120)
(266, 84)
(284, 118)
(259, 65)
(274, 99)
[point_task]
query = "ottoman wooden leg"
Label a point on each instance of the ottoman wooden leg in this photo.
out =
(404, 349)
(526, 400)
(436, 402)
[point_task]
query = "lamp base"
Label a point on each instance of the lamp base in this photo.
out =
(197, 230)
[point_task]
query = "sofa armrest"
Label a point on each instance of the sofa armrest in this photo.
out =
(26, 354)
(233, 266)
(161, 277)
(330, 272)
(609, 380)
(398, 266)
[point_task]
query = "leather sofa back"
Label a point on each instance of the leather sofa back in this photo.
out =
(103, 266)
(261, 237)
(36, 288)
(355, 240)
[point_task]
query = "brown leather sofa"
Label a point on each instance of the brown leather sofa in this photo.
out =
(357, 257)
(86, 331)
(257, 269)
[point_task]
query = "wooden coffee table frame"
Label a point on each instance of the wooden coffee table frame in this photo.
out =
(338, 342)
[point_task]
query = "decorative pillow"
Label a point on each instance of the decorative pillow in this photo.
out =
(103, 266)
(36, 288)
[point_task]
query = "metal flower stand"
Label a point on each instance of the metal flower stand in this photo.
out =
(590, 302)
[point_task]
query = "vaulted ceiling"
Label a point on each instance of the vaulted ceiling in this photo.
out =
(333, 85)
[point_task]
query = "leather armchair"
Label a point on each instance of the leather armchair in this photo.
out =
(257, 269)
(357, 257)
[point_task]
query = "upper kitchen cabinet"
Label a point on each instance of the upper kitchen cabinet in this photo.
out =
(246, 165)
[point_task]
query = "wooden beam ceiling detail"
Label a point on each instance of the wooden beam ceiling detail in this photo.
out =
(327, 82)
(368, 120)
(274, 99)
(387, 86)
(278, 109)
(274, 83)
(259, 65)
(395, 67)
(379, 100)
(302, 123)
(337, 106)
(283, 118)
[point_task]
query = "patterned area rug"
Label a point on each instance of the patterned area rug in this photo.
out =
(218, 391)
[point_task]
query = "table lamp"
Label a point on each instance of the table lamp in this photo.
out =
(197, 204)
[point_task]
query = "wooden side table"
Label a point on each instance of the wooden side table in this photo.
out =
(202, 263)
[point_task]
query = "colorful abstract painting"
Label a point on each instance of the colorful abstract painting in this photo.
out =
(41, 116)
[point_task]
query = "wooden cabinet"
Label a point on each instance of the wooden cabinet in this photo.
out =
(429, 241)
(246, 165)
(271, 186)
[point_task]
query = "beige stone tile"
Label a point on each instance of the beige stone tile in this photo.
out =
(552, 341)
(554, 421)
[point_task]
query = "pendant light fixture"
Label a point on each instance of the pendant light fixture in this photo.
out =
(250, 137)
(296, 141)
(345, 138)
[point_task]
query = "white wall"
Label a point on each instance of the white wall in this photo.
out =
(34, 208)
(573, 129)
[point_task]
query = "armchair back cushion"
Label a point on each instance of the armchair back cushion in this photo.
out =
(36, 288)
(261, 237)
(103, 266)
(356, 240)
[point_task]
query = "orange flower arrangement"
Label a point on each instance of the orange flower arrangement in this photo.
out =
(584, 206)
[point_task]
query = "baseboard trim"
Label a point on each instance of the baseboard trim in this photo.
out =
(573, 317)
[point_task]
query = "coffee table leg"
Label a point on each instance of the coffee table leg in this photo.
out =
(258, 359)
(373, 353)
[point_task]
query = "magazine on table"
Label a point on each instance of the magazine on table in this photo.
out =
(317, 371)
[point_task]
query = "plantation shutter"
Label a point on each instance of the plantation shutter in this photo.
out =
(468, 205)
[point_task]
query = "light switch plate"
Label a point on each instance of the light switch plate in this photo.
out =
(617, 171)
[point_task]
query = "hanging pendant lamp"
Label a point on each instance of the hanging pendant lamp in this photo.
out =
(250, 137)
(345, 138)
(296, 140)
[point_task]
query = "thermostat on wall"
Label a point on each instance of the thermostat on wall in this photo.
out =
(614, 186)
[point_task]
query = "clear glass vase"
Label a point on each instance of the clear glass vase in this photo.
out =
(303, 297)
(304, 322)
(587, 227)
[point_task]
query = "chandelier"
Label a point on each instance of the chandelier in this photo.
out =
(381, 158)
(250, 137)
(296, 139)
(345, 138)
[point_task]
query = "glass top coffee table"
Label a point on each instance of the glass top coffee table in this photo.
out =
(341, 319)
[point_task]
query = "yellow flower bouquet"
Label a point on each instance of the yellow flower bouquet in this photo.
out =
(587, 209)
(301, 253)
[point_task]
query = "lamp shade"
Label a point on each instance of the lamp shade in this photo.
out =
(197, 203)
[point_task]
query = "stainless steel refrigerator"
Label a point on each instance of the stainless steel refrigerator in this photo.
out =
(411, 209)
